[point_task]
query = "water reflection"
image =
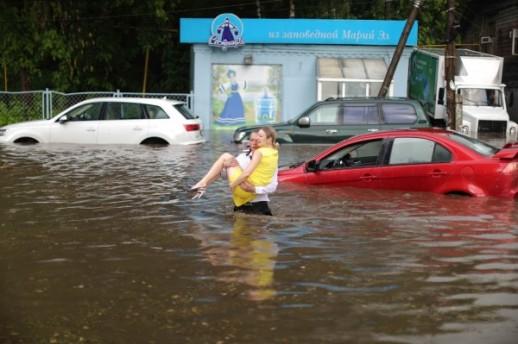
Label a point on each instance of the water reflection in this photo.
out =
(247, 252)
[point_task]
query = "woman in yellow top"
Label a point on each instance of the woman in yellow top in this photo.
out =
(258, 173)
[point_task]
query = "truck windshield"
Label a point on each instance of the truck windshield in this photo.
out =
(481, 97)
(474, 144)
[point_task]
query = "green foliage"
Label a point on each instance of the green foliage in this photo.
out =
(79, 45)
(433, 20)
(432, 15)
(17, 111)
(73, 46)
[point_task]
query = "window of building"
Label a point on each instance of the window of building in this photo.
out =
(350, 77)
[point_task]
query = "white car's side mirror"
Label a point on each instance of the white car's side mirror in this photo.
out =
(63, 119)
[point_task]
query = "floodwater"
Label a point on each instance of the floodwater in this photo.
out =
(102, 244)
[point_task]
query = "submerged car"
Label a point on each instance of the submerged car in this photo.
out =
(335, 119)
(432, 160)
(112, 121)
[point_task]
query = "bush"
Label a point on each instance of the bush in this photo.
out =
(16, 111)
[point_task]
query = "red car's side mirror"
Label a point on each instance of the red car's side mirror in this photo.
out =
(312, 166)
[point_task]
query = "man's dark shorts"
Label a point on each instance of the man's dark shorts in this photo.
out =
(257, 208)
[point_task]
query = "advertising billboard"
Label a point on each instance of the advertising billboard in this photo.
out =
(242, 94)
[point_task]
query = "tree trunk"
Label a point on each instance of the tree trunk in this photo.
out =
(25, 82)
(258, 6)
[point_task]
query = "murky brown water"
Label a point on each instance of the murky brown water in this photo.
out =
(101, 244)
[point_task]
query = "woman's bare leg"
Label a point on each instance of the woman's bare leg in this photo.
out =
(231, 169)
(215, 170)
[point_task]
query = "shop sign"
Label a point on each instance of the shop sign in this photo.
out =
(227, 31)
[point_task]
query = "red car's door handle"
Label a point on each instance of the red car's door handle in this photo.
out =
(368, 177)
(438, 173)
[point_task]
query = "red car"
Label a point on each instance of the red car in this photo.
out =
(433, 160)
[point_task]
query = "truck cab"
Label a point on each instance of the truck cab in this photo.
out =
(479, 92)
(484, 113)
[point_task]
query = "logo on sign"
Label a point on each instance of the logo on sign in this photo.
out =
(227, 31)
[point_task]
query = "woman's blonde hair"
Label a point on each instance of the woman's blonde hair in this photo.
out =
(270, 133)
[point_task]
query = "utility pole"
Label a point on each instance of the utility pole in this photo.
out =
(449, 68)
(399, 49)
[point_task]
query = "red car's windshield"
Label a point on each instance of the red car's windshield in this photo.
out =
(473, 144)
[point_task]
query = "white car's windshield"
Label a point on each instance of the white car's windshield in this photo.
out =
(473, 144)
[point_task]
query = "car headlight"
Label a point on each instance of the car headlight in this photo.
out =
(2, 131)
(512, 132)
(239, 136)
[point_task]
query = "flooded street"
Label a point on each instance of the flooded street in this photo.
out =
(102, 244)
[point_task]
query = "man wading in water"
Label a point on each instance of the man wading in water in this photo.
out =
(250, 179)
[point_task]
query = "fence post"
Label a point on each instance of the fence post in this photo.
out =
(43, 105)
(51, 107)
(46, 108)
(190, 100)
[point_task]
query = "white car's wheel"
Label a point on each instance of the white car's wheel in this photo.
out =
(26, 141)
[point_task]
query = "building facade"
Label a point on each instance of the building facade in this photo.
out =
(253, 71)
(494, 25)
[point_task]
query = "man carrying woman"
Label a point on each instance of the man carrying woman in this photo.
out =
(259, 205)
(259, 173)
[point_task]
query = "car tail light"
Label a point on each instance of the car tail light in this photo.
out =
(192, 127)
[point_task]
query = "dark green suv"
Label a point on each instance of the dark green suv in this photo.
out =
(335, 119)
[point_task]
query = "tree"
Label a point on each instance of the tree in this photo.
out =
(79, 45)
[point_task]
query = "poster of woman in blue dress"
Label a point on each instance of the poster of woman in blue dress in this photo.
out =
(233, 112)
(244, 94)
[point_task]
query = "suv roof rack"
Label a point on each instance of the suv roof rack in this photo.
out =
(364, 98)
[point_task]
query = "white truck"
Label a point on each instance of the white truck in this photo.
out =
(479, 89)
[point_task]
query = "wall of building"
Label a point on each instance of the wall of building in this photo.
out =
(496, 20)
(299, 71)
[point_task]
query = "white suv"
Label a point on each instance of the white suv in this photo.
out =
(112, 121)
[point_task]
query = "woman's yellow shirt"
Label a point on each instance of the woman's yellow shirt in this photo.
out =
(261, 176)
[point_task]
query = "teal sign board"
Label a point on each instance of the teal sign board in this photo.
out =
(297, 31)
(422, 78)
